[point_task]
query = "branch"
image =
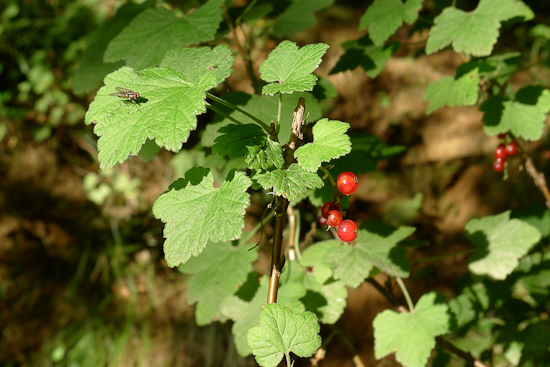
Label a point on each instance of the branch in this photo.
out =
(538, 179)
(281, 205)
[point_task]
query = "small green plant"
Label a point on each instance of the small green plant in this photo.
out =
(277, 143)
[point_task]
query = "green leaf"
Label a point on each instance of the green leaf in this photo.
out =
(320, 196)
(265, 156)
(298, 16)
(195, 62)
(474, 32)
(536, 215)
(459, 91)
(384, 17)
(293, 293)
(533, 279)
(281, 331)
(329, 141)
(92, 69)
(327, 301)
(411, 335)
(195, 212)
(324, 90)
(290, 69)
(245, 314)
(166, 111)
(375, 246)
(145, 41)
(217, 274)
(540, 30)
(263, 107)
(251, 141)
(503, 66)
(403, 211)
(367, 150)
(363, 53)
(148, 150)
(316, 256)
(463, 309)
(290, 183)
(525, 117)
(500, 243)
(235, 139)
(220, 166)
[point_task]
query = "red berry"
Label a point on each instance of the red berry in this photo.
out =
(501, 135)
(511, 148)
(348, 230)
(500, 151)
(347, 183)
(498, 165)
(334, 218)
(322, 221)
(327, 207)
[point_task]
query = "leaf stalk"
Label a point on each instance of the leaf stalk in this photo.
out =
(405, 293)
(235, 108)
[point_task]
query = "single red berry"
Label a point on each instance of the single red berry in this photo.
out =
(500, 151)
(334, 218)
(498, 165)
(348, 230)
(327, 207)
(511, 148)
(322, 221)
(501, 135)
(347, 183)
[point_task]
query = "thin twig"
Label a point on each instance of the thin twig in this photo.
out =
(459, 352)
(538, 179)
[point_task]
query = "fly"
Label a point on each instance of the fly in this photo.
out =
(126, 94)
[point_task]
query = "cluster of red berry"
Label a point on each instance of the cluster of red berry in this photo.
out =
(503, 151)
(347, 183)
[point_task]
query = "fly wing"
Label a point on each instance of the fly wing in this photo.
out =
(122, 92)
